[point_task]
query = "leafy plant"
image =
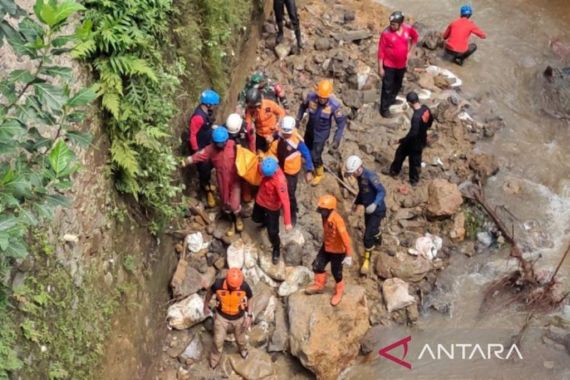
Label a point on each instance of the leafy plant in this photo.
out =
(39, 112)
(137, 88)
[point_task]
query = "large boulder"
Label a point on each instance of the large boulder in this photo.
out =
(296, 278)
(485, 165)
(325, 338)
(186, 313)
(256, 366)
(444, 198)
(280, 338)
(186, 280)
(402, 265)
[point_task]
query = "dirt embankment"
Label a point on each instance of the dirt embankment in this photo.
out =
(291, 328)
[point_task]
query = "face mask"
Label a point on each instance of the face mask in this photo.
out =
(324, 212)
(220, 146)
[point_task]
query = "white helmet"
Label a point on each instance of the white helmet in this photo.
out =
(234, 123)
(287, 124)
(352, 164)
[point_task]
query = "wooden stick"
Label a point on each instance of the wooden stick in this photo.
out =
(197, 211)
(551, 283)
(343, 183)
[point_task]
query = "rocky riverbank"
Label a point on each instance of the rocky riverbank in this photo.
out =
(295, 336)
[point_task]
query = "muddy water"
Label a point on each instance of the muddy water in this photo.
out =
(503, 78)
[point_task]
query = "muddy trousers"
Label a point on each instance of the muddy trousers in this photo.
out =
(269, 219)
(372, 234)
(279, 9)
(391, 86)
(292, 189)
(204, 174)
(414, 160)
(323, 258)
(460, 57)
(222, 327)
(315, 147)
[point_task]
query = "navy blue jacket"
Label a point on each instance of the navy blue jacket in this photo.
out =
(321, 117)
(370, 190)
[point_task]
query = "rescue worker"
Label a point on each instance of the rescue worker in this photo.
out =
(323, 107)
(289, 148)
(265, 115)
(240, 131)
(200, 127)
(371, 195)
(457, 36)
(414, 142)
(272, 196)
(396, 44)
(234, 312)
(222, 154)
(336, 249)
(278, 8)
(269, 90)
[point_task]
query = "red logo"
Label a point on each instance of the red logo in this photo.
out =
(402, 342)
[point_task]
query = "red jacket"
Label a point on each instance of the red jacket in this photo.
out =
(273, 195)
(458, 32)
(393, 47)
(224, 161)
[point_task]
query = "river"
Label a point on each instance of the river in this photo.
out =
(505, 76)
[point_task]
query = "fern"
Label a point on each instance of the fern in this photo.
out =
(111, 102)
(125, 157)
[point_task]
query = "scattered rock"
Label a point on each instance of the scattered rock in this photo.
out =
(283, 50)
(280, 338)
(186, 313)
(256, 366)
(485, 238)
(408, 268)
(186, 280)
(193, 352)
(444, 198)
(353, 35)
(269, 28)
(432, 40)
(484, 165)
(261, 295)
(348, 15)
(396, 294)
(317, 331)
(296, 279)
(194, 242)
(458, 231)
(322, 43)
(276, 272)
(293, 254)
(512, 186)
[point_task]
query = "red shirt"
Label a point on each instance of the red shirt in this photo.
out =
(196, 123)
(458, 32)
(393, 47)
(273, 195)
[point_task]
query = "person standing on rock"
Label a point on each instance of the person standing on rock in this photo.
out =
(414, 142)
(234, 312)
(289, 148)
(336, 249)
(323, 108)
(265, 115)
(371, 195)
(279, 9)
(222, 154)
(395, 46)
(200, 127)
(272, 196)
(457, 36)
(269, 90)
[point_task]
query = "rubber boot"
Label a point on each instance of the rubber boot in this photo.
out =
(275, 255)
(319, 174)
(232, 230)
(239, 223)
(298, 37)
(338, 292)
(210, 199)
(366, 264)
(279, 37)
(319, 284)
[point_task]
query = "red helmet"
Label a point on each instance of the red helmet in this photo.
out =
(234, 278)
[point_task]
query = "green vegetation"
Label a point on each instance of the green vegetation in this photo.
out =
(39, 113)
(474, 220)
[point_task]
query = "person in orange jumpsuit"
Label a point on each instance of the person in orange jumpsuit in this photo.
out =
(265, 115)
(234, 312)
(222, 154)
(336, 249)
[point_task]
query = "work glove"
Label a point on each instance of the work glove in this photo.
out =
(371, 208)
(347, 261)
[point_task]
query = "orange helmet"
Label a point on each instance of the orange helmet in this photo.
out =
(324, 89)
(327, 201)
(234, 278)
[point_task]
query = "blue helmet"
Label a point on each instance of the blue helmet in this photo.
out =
(220, 135)
(466, 10)
(269, 166)
(210, 98)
